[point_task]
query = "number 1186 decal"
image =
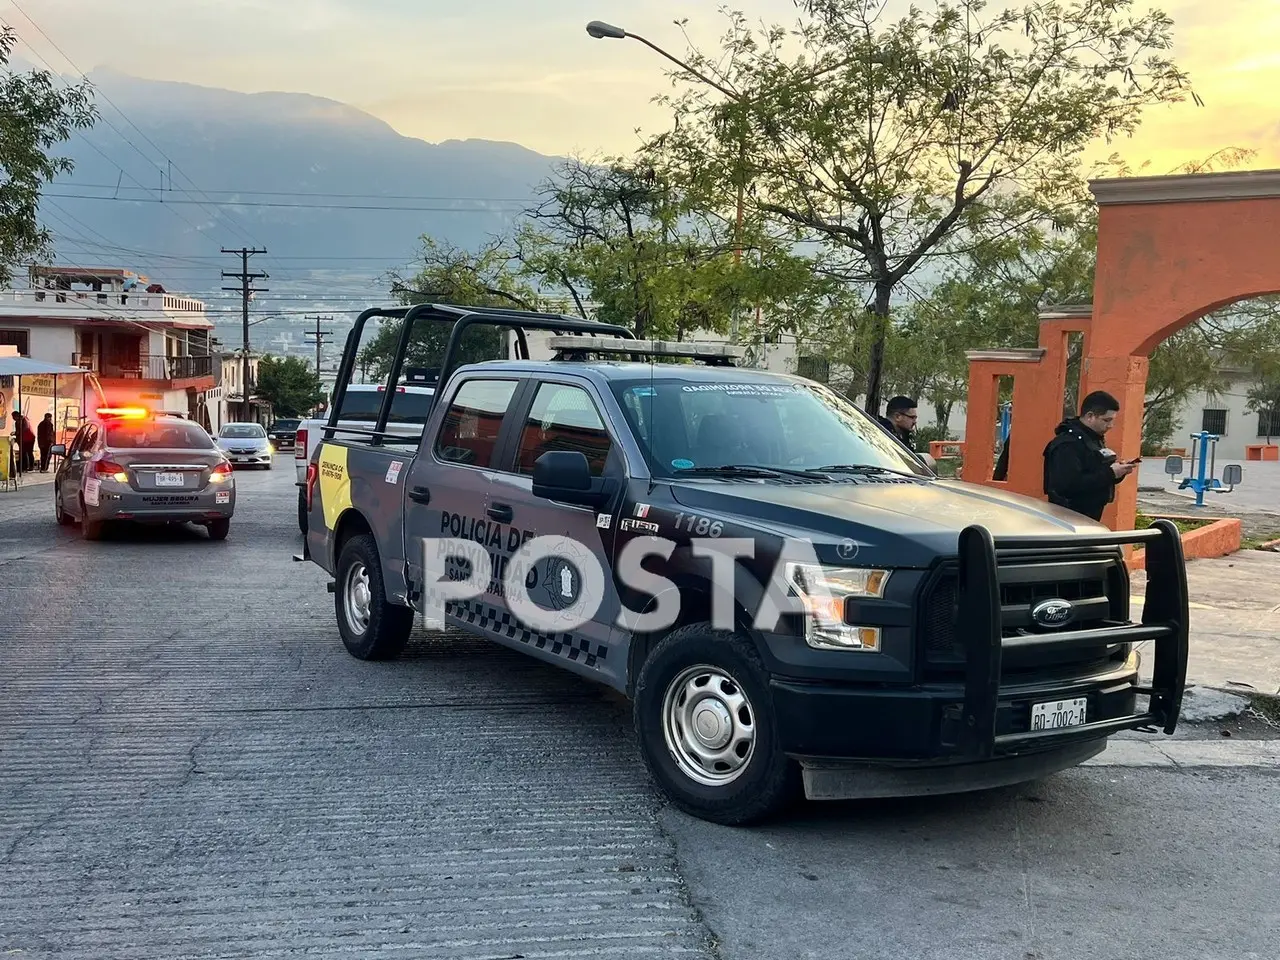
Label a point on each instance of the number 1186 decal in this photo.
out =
(699, 525)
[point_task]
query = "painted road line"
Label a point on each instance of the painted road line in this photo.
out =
(1188, 753)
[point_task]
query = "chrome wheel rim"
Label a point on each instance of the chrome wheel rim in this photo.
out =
(709, 725)
(359, 598)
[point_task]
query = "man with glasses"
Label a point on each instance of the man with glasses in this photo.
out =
(1080, 473)
(900, 420)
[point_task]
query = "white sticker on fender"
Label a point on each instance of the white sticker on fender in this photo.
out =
(222, 496)
(604, 521)
(393, 472)
(91, 492)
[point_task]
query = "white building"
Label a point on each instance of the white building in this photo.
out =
(227, 397)
(142, 345)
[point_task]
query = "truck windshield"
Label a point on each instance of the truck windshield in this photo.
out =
(411, 406)
(684, 424)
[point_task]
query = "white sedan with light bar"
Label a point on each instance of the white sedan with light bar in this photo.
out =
(131, 465)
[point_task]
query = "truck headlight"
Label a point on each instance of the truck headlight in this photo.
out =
(824, 592)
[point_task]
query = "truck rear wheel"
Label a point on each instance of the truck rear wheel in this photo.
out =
(704, 717)
(371, 627)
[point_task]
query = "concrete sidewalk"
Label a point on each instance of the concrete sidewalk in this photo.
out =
(1235, 608)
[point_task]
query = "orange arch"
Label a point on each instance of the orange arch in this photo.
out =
(1170, 250)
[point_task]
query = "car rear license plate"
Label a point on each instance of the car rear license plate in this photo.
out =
(1057, 714)
(169, 480)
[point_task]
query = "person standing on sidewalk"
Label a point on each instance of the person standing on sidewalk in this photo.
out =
(26, 443)
(44, 440)
(1080, 473)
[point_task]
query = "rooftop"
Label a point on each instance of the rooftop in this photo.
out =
(99, 294)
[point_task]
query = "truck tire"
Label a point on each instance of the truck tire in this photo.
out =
(730, 767)
(371, 627)
(218, 529)
(302, 511)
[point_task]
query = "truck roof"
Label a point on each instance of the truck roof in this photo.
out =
(609, 370)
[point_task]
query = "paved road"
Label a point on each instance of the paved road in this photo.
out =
(191, 766)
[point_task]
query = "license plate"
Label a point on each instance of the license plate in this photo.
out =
(169, 480)
(1057, 714)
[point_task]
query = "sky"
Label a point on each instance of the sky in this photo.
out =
(527, 72)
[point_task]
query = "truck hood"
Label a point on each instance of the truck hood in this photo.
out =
(909, 522)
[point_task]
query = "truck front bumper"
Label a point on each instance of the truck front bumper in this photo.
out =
(862, 740)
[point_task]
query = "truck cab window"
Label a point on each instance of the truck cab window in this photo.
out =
(563, 417)
(471, 424)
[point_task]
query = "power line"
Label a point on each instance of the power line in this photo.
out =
(296, 206)
(246, 293)
(320, 336)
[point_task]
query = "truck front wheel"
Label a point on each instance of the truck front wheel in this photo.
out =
(707, 730)
(371, 628)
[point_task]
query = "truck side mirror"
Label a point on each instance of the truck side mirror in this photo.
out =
(58, 449)
(565, 476)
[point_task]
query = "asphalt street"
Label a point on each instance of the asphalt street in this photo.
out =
(192, 766)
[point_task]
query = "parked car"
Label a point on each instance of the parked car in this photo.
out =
(137, 466)
(246, 444)
(283, 433)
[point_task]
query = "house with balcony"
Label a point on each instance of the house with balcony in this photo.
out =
(227, 398)
(141, 344)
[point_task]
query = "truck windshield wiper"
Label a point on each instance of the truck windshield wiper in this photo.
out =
(746, 470)
(863, 468)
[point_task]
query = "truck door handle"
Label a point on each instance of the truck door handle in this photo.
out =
(420, 495)
(500, 512)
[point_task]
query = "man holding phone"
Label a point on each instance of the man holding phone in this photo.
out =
(1080, 472)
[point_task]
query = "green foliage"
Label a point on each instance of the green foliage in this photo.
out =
(35, 116)
(885, 143)
(487, 278)
(1264, 398)
(289, 385)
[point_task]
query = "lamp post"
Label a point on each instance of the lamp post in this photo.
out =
(607, 31)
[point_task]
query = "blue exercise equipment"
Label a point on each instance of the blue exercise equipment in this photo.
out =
(1207, 445)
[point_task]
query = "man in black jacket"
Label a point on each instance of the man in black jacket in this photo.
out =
(1080, 473)
(900, 420)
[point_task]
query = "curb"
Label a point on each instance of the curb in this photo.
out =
(1190, 754)
(1220, 538)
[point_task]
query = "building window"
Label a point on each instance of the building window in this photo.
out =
(1214, 421)
(17, 338)
(1269, 423)
(814, 368)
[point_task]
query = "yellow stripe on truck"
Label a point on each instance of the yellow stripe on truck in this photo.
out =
(334, 482)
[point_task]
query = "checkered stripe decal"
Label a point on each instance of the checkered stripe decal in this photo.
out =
(504, 623)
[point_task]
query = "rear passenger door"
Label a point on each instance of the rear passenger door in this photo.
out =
(447, 488)
(566, 415)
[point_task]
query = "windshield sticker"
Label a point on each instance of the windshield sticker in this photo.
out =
(748, 389)
(682, 464)
(643, 391)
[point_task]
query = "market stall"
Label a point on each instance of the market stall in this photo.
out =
(32, 388)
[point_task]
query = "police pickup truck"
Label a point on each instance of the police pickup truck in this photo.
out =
(792, 601)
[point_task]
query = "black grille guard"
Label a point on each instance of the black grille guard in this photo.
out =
(1164, 620)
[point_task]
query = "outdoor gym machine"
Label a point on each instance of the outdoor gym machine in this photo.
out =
(1208, 448)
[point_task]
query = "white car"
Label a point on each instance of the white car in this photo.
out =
(246, 445)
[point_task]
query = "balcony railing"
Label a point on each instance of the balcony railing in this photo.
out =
(147, 368)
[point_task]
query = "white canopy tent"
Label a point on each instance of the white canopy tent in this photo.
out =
(14, 366)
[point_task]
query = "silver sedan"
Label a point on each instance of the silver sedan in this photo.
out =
(145, 470)
(246, 444)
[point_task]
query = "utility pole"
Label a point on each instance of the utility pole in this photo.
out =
(320, 336)
(246, 293)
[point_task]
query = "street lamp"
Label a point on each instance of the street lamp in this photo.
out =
(607, 31)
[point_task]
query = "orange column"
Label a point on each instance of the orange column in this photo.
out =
(980, 427)
(1125, 378)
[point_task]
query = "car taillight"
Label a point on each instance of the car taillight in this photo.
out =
(221, 472)
(300, 445)
(111, 470)
(312, 473)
